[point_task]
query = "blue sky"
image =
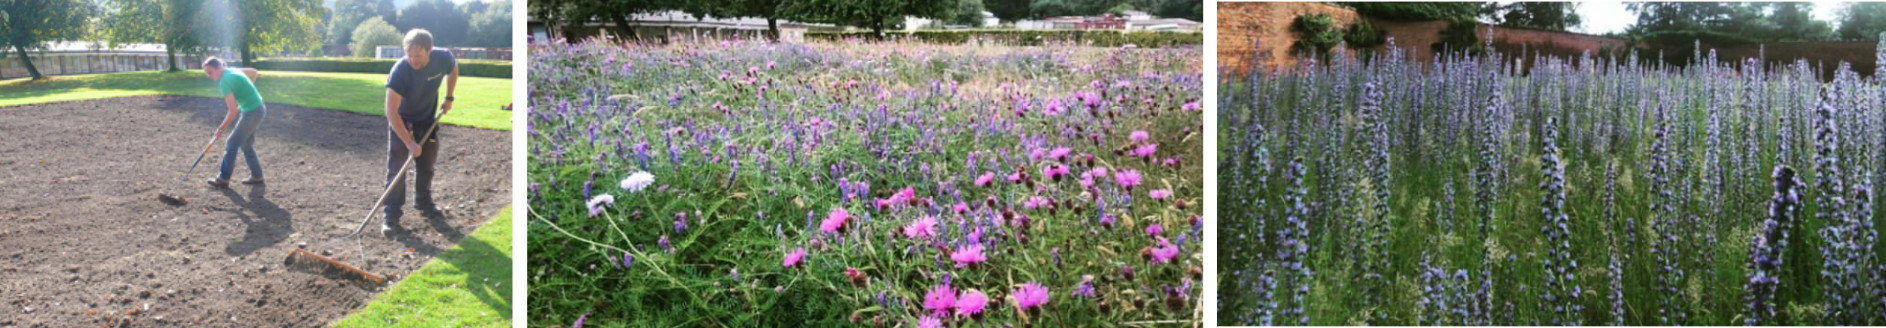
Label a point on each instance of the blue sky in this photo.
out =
(1602, 17)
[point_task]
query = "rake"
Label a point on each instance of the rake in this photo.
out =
(179, 200)
(305, 260)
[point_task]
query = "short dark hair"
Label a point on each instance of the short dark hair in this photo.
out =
(418, 37)
(213, 62)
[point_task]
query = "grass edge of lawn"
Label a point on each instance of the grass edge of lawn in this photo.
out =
(86, 87)
(427, 284)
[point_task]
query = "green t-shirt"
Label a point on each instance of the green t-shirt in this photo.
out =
(235, 83)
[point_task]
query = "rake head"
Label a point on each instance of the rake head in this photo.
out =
(303, 260)
(172, 200)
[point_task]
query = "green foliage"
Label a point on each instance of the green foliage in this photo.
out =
(1757, 21)
(1862, 20)
(1363, 35)
(967, 12)
(1316, 34)
(30, 24)
(491, 27)
(1419, 11)
(1095, 38)
(466, 67)
(373, 33)
(447, 24)
(875, 15)
(1556, 16)
(1459, 36)
(348, 14)
(274, 26)
(1052, 8)
(1187, 9)
(1009, 11)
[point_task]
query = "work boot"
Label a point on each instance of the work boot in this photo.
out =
(390, 224)
(219, 183)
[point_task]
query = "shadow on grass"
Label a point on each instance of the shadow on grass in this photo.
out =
(472, 257)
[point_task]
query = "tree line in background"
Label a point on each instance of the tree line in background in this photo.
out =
(875, 15)
(250, 27)
(1673, 27)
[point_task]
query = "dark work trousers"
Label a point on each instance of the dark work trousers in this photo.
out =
(396, 156)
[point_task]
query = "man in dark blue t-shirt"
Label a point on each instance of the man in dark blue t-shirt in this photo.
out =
(412, 92)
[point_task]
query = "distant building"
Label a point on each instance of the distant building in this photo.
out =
(80, 57)
(457, 52)
(1102, 22)
(1163, 24)
(669, 24)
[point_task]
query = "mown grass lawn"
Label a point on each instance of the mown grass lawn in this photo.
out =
(478, 102)
(467, 286)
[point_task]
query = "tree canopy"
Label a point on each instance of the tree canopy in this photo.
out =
(1556, 16)
(1727, 21)
(347, 14)
(32, 24)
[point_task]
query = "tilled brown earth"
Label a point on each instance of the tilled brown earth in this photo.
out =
(84, 241)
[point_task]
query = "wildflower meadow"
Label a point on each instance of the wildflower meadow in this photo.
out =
(1503, 189)
(892, 184)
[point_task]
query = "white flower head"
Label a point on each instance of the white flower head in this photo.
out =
(637, 181)
(599, 202)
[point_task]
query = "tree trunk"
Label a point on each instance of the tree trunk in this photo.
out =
(246, 52)
(772, 29)
(171, 52)
(624, 32)
(26, 59)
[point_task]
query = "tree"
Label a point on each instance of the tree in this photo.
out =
(272, 26)
(348, 14)
(1556, 16)
(553, 13)
(876, 15)
(1862, 20)
(447, 24)
(492, 28)
(967, 12)
(1009, 11)
(1421, 11)
(174, 23)
(373, 33)
(770, 10)
(1053, 8)
(1794, 19)
(30, 24)
(1316, 34)
(1187, 9)
(619, 11)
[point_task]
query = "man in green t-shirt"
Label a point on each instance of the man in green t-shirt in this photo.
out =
(246, 110)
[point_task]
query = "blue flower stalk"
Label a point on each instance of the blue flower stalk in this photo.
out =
(1765, 255)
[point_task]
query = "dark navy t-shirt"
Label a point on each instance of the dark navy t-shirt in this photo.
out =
(419, 88)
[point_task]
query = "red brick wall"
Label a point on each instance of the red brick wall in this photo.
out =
(1243, 25)
(1240, 23)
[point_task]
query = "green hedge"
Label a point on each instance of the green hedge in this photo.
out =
(466, 67)
(1097, 38)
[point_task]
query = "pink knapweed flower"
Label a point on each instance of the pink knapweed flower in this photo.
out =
(968, 254)
(971, 302)
(835, 221)
(1029, 296)
(1138, 136)
(794, 257)
(922, 228)
(939, 300)
(1127, 178)
(984, 180)
(1160, 194)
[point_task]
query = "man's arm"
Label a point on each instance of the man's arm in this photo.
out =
(397, 124)
(451, 86)
(230, 101)
(251, 73)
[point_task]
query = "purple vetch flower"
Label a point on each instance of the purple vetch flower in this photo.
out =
(579, 321)
(663, 242)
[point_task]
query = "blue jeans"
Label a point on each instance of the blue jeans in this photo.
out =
(242, 138)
